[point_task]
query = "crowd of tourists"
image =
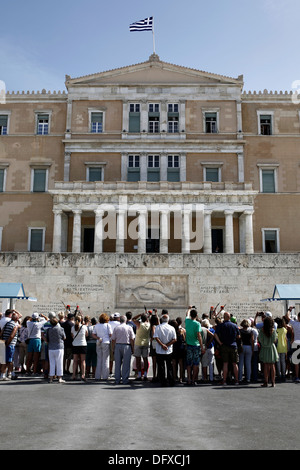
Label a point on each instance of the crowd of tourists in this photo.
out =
(189, 350)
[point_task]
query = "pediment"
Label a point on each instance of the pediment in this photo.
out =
(153, 72)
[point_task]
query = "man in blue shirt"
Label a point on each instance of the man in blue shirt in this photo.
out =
(227, 335)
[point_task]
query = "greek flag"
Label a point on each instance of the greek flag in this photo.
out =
(143, 25)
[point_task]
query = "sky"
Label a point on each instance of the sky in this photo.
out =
(41, 42)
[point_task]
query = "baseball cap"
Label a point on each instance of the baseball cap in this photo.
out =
(35, 315)
(117, 315)
(268, 314)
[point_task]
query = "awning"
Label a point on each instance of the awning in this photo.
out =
(284, 292)
(14, 290)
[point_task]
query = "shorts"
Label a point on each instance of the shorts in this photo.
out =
(193, 354)
(9, 353)
(208, 357)
(141, 351)
(68, 354)
(34, 345)
(152, 351)
(79, 349)
(229, 354)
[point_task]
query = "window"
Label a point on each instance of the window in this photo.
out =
(270, 240)
(212, 174)
(3, 124)
(133, 169)
(212, 171)
(96, 122)
(265, 124)
(211, 123)
(43, 124)
(173, 118)
(134, 117)
(2, 178)
(153, 118)
(268, 181)
(153, 173)
(39, 180)
(36, 239)
(173, 168)
(94, 173)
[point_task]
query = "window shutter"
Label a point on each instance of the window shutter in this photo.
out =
(268, 181)
(36, 240)
(39, 181)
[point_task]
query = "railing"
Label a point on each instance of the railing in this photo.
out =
(150, 186)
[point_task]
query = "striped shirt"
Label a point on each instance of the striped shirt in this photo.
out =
(7, 331)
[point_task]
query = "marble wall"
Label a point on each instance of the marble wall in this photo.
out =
(119, 282)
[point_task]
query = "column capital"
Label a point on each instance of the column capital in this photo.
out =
(57, 211)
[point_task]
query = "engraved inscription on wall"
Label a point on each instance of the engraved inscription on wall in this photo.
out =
(157, 291)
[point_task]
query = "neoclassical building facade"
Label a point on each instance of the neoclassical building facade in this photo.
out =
(150, 158)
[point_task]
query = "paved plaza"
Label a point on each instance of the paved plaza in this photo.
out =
(144, 416)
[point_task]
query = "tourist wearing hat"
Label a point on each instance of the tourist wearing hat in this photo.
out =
(262, 315)
(34, 327)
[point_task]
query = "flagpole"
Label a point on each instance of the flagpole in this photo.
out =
(153, 35)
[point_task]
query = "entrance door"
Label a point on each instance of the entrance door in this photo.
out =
(88, 240)
(152, 244)
(217, 240)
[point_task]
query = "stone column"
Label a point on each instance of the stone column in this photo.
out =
(98, 241)
(163, 167)
(241, 170)
(124, 166)
(144, 116)
(229, 244)
(67, 162)
(121, 214)
(143, 214)
(207, 245)
(76, 242)
(249, 245)
(163, 116)
(143, 167)
(164, 232)
(182, 168)
(182, 116)
(56, 248)
(185, 234)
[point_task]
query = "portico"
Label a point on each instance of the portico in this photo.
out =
(179, 216)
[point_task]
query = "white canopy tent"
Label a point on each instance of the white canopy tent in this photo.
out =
(288, 293)
(12, 291)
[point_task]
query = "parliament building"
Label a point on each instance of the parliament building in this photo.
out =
(185, 159)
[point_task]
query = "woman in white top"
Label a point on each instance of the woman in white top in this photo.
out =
(79, 333)
(102, 332)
